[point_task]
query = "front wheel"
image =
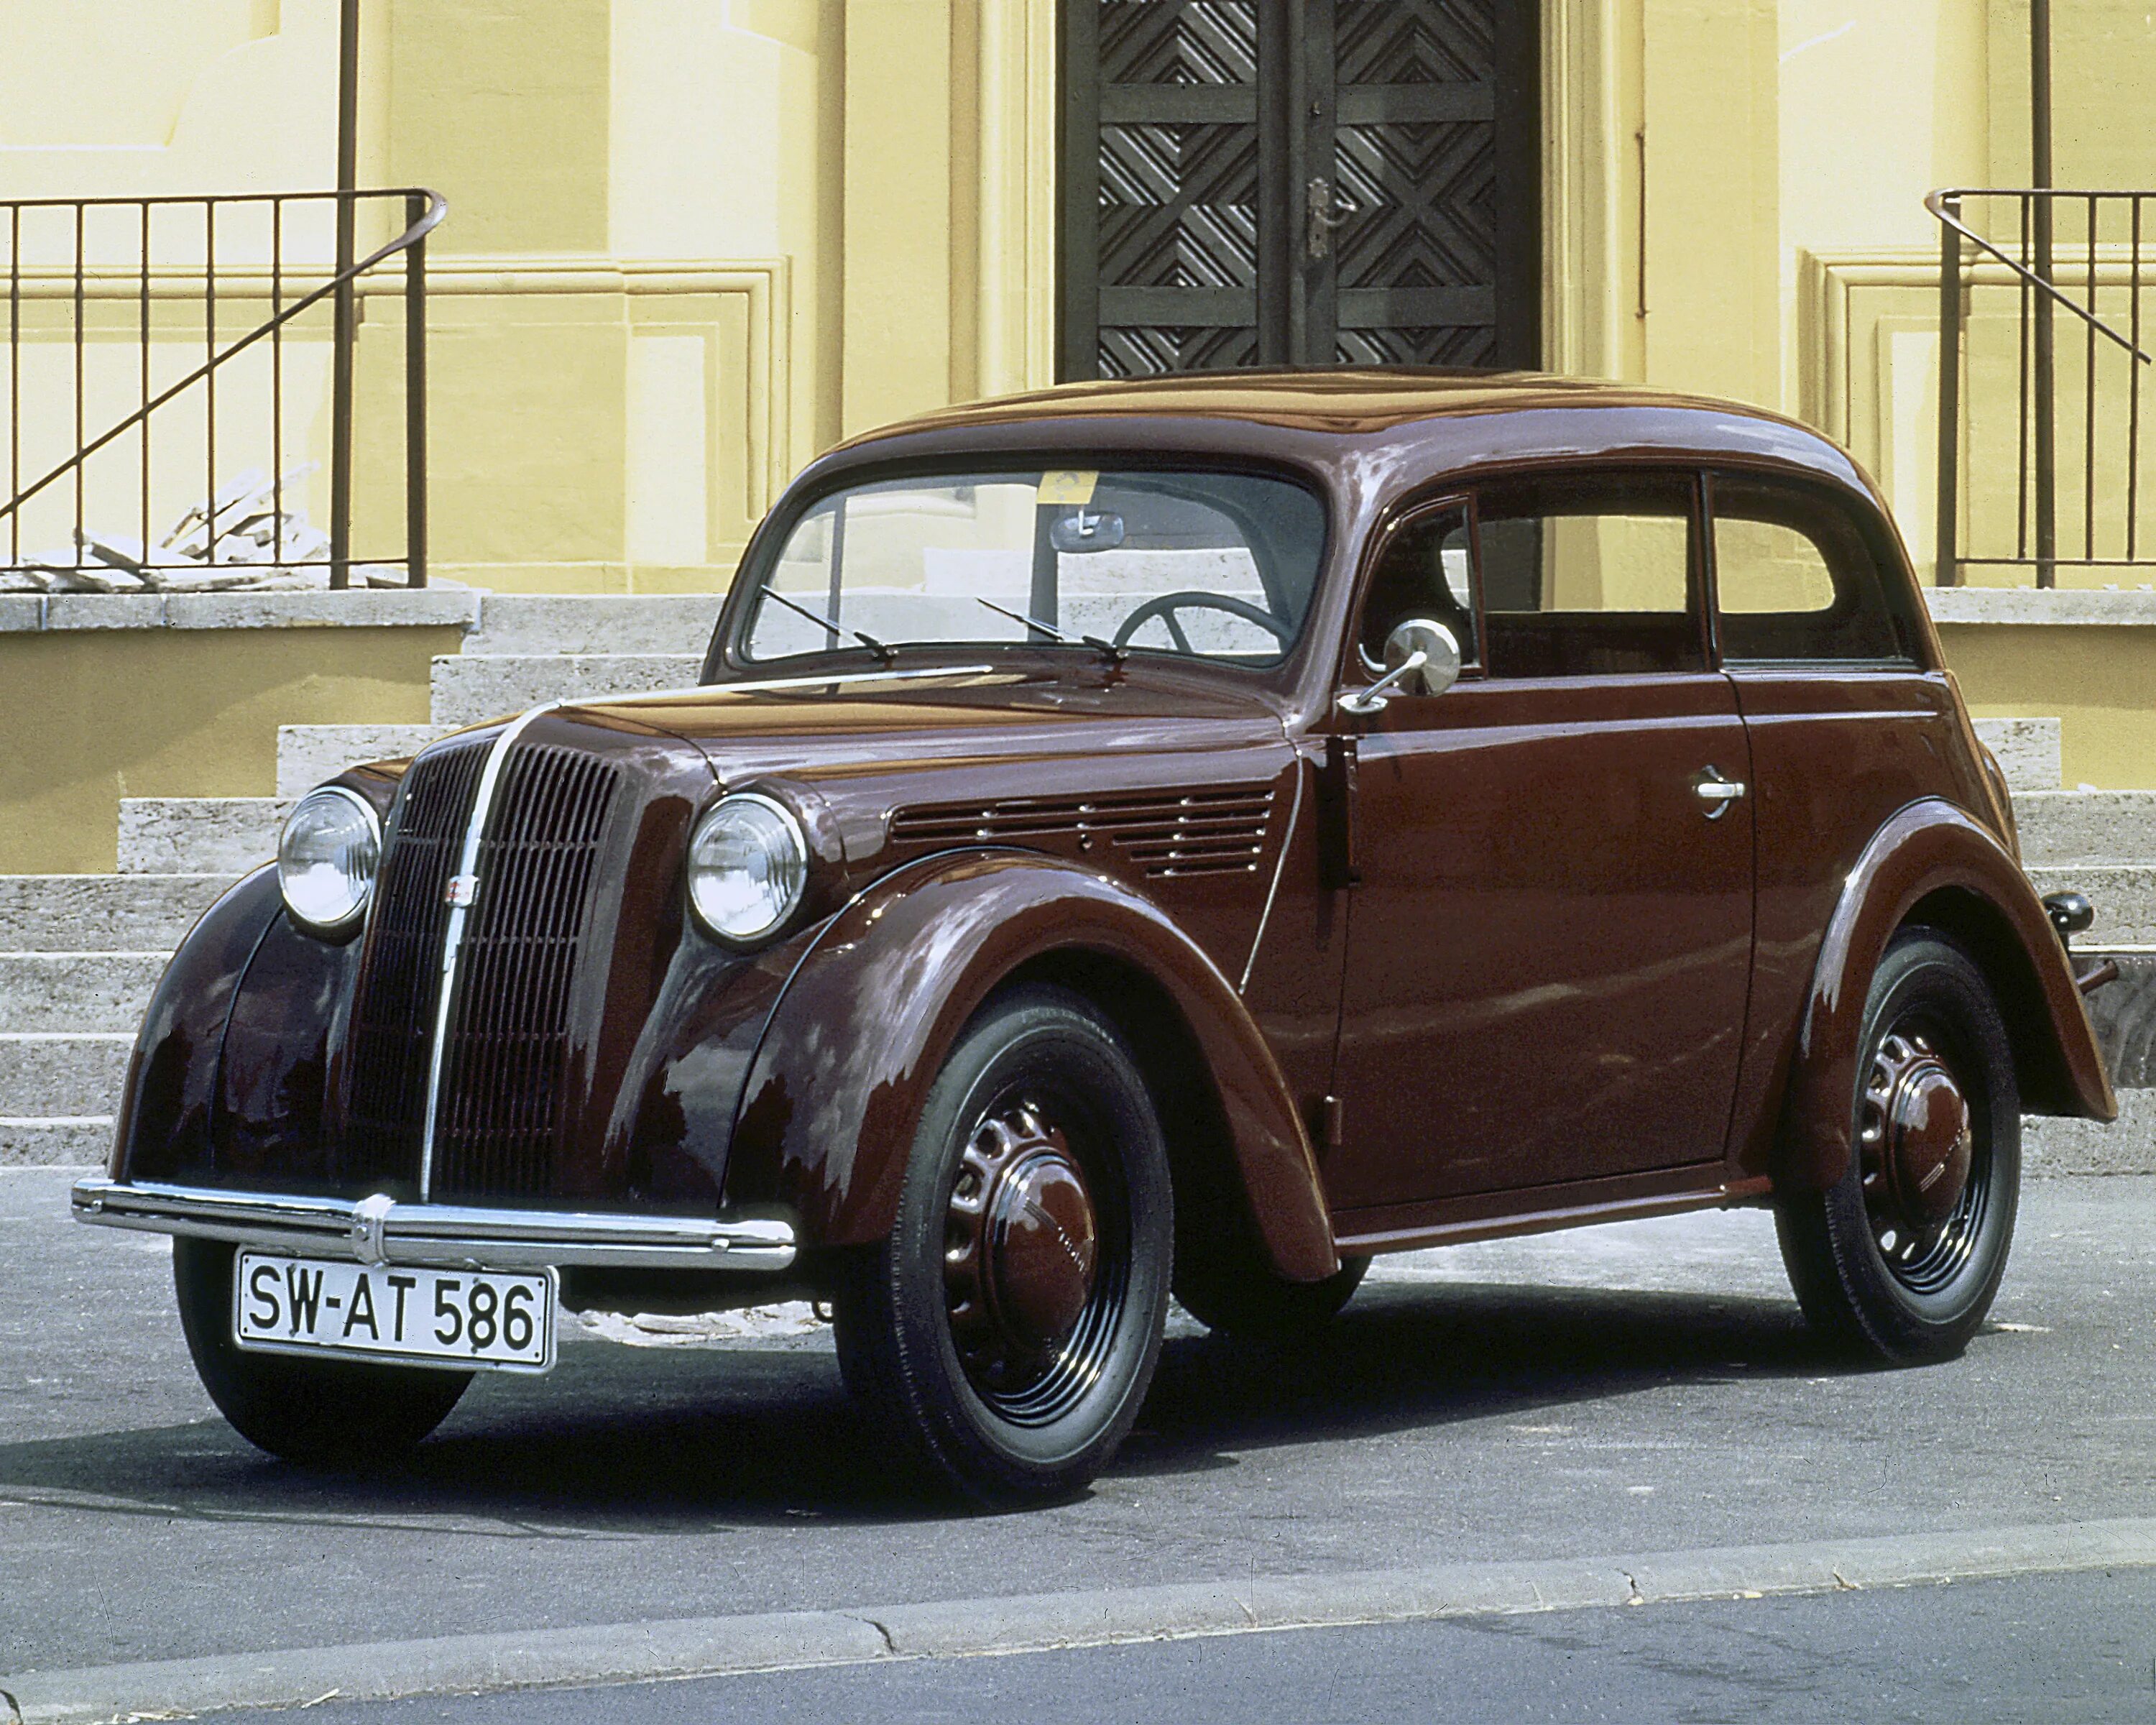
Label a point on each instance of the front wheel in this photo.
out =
(1900, 1257)
(1008, 1328)
(321, 1413)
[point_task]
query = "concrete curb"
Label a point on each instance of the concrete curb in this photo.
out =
(718, 1646)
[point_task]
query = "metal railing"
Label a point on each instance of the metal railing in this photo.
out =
(159, 300)
(2078, 252)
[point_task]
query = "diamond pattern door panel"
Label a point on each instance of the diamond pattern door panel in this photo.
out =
(1414, 155)
(1175, 157)
(1316, 182)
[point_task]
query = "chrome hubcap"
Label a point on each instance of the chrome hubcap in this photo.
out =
(1923, 1187)
(1022, 1250)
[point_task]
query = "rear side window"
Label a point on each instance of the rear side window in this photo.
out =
(1796, 579)
(1589, 575)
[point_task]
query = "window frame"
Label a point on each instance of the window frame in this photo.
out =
(1697, 559)
(1814, 500)
(727, 657)
(1403, 520)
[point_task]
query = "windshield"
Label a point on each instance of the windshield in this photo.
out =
(1212, 566)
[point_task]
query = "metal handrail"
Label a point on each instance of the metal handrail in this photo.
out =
(1945, 207)
(424, 210)
(2032, 277)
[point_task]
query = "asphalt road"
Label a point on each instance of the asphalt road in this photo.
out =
(2063, 1650)
(1647, 1388)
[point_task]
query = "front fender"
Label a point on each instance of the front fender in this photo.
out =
(865, 1023)
(1932, 863)
(163, 1129)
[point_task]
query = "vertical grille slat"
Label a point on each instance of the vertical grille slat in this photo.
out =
(506, 1066)
(393, 1013)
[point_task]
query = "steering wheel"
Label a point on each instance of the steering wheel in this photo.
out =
(1168, 603)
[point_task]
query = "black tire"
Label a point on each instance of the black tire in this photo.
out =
(1230, 1290)
(1007, 1329)
(319, 1413)
(1880, 1262)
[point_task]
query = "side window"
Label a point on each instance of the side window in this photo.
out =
(1589, 575)
(1795, 579)
(1424, 571)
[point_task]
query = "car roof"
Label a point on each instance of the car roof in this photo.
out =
(1349, 401)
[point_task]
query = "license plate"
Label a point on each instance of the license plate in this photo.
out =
(468, 1319)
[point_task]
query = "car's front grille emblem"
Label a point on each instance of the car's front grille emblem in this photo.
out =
(460, 889)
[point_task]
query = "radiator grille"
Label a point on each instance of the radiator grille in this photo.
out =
(393, 1013)
(506, 1076)
(1169, 833)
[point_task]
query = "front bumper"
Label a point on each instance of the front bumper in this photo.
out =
(436, 1236)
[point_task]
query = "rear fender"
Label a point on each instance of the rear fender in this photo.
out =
(864, 1026)
(1933, 865)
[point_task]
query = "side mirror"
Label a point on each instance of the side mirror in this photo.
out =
(1421, 657)
(1440, 649)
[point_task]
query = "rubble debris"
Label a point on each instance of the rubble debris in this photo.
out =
(235, 541)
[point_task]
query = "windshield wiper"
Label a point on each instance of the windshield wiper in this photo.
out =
(882, 649)
(1116, 654)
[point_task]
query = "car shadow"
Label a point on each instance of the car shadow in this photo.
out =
(631, 1442)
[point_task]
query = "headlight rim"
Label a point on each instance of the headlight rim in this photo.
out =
(796, 827)
(354, 919)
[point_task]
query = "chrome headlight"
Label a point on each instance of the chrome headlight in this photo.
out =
(748, 866)
(327, 857)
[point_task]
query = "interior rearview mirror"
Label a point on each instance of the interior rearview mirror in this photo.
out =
(1085, 530)
(1440, 649)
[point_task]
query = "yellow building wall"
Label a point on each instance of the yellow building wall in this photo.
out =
(692, 243)
(91, 716)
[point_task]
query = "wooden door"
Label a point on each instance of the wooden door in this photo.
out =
(1251, 182)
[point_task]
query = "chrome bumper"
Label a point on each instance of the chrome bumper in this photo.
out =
(436, 1236)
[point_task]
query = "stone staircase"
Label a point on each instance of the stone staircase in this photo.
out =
(80, 953)
(2101, 843)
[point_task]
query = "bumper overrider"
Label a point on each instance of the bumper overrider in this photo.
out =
(379, 1231)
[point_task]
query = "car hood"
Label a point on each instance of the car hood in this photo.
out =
(833, 733)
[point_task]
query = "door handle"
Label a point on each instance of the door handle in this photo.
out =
(1326, 210)
(1716, 792)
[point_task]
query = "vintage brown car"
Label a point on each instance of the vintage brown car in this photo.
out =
(1191, 835)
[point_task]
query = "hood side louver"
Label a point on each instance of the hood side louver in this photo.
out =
(1169, 834)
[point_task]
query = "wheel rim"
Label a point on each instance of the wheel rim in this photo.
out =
(1926, 1150)
(1036, 1258)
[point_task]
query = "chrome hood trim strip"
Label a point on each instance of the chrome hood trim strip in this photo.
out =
(378, 1231)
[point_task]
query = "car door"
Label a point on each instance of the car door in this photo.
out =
(1550, 918)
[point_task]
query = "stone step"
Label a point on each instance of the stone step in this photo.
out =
(2028, 752)
(46, 1074)
(87, 913)
(2062, 827)
(77, 992)
(309, 754)
(2056, 1147)
(73, 1141)
(594, 622)
(2123, 1015)
(469, 687)
(197, 835)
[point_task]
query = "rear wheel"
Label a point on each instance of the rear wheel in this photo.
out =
(322, 1413)
(1007, 1328)
(1900, 1257)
